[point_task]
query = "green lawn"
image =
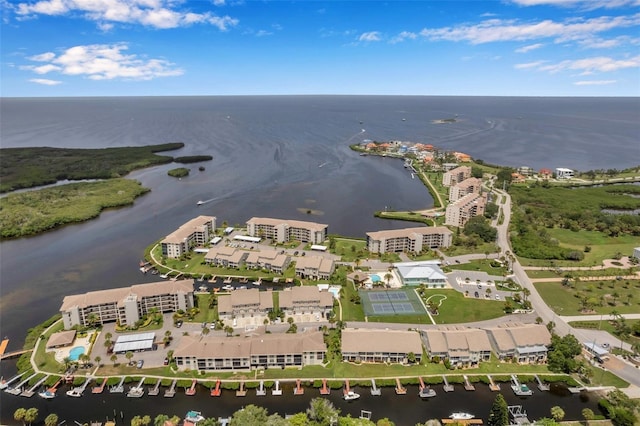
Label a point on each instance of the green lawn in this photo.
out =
(479, 265)
(602, 246)
(482, 248)
(458, 309)
(607, 325)
(206, 314)
(564, 301)
(350, 311)
(350, 249)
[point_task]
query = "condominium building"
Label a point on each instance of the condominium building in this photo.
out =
(463, 347)
(456, 175)
(270, 260)
(306, 300)
(210, 353)
(126, 305)
(245, 303)
(314, 267)
(409, 239)
(196, 232)
(282, 231)
(467, 186)
(524, 343)
(460, 211)
(226, 257)
(371, 345)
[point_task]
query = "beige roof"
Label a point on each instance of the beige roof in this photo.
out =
(528, 334)
(198, 224)
(502, 339)
(61, 338)
(370, 340)
(288, 343)
(245, 297)
(408, 232)
(290, 223)
(308, 295)
(475, 182)
(478, 340)
(308, 262)
(222, 252)
(454, 339)
(213, 347)
(116, 295)
(436, 341)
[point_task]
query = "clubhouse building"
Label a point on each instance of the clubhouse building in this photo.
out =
(426, 272)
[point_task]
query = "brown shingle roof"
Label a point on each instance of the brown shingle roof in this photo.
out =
(61, 338)
(368, 340)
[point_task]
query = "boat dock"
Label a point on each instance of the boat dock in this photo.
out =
(518, 415)
(375, 391)
(119, 388)
(17, 390)
(541, 385)
(400, 390)
(136, 391)
(324, 390)
(276, 390)
(576, 389)
(461, 421)
(78, 391)
(242, 391)
(100, 388)
(347, 388)
(227, 280)
(518, 388)
(467, 384)
(298, 390)
(32, 390)
(447, 387)
(156, 389)
(216, 391)
(171, 392)
(261, 391)
(192, 390)
(7, 383)
(495, 387)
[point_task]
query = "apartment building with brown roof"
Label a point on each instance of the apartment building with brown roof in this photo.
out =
(462, 346)
(314, 267)
(282, 230)
(226, 257)
(459, 212)
(409, 239)
(210, 353)
(127, 304)
(305, 300)
(243, 303)
(371, 345)
(524, 343)
(196, 232)
(456, 175)
(270, 260)
(467, 186)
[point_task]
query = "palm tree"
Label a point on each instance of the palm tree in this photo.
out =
(108, 336)
(229, 330)
(526, 293)
(205, 331)
(488, 292)
(114, 359)
(266, 323)
(128, 355)
(19, 415)
(388, 278)
(97, 360)
(146, 420)
(31, 415)
(557, 413)
(160, 420)
(51, 420)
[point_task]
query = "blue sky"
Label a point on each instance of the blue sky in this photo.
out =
(228, 47)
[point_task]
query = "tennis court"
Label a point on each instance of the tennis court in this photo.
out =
(390, 302)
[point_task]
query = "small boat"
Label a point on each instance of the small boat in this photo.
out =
(522, 390)
(47, 394)
(201, 168)
(427, 392)
(227, 287)
(135, 392)
(461, 416)
(199, 203)
(194, 417)
(75, 392)
(351, 396)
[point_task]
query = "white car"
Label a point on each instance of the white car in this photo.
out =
(497, 297)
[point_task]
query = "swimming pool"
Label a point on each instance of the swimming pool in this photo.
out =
(75, 353)
(375, 278)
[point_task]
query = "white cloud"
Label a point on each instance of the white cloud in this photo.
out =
(45, 81)
(404, 35)
(370, 36)
(583, 4)
(586, 65)
(494, 30)
(594, 82)
(218, 2)
(104, 62)
(525, 49)
(154, 13)
(263, 33)
(43, 57)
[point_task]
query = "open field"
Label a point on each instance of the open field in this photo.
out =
(565, 300)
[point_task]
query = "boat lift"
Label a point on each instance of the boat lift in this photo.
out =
(32, 390)
(277, 391)
(261, 391)
(298, 390)
(467, 384)
(156, 389)
(216, 391)
(119, 388)
(375, 391)
(171, 392)
(324, 390)
(541, 385)
(17, 390)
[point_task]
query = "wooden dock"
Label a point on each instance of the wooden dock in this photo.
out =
(192, 390)
(100, 388)
(32, 390)
(375, 391)
(495, 387)
(467, 384)
(347, 387)
(171, 392)
(324, 390)
(241, 391)
(216, 391)
(541, 385)
(17, 390)
(400, 390)
(298, 390)
(447, 387)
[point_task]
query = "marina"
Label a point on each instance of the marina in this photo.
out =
(78, 391)
(31, 391)
(17, 390)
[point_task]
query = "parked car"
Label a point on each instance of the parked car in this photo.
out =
(166, 361)
(497, 297)
(476, 294)
(140, 364)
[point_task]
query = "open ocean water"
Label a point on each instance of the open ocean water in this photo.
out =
(274, 156)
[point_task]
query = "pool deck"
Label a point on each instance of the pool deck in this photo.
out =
(62, 353)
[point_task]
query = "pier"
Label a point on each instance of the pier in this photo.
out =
(216, 391)
(400, 390)
(100, 388)
(119, 388)
(375, 391)
(228, 280)
(17, 390)
(78, 391)
(136, 391)
(261, 391)
(518, 388)
(242, 391)
(4, 384)
(298, 390)
(171, 392)
(447, 387)
(461, 422)
(495, 387)
(32, 390)
(324, 390)
(156, 389)
(276, 390)
(541, 385)
(192, 390)
(467, 384)
(347, 388)
(518, 415)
